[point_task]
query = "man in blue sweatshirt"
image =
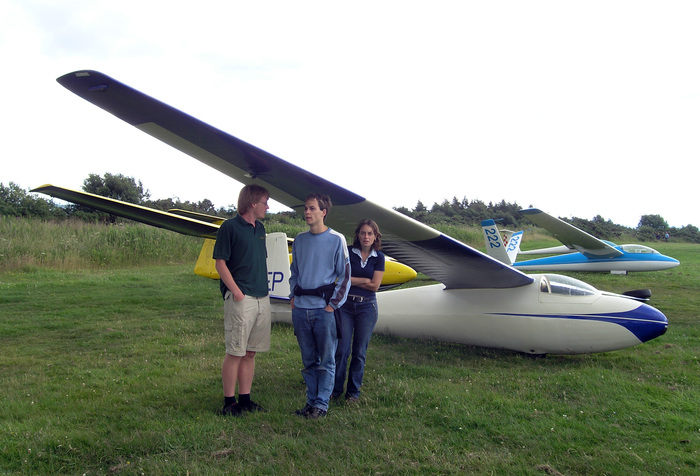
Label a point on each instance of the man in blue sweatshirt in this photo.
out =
(320, 281)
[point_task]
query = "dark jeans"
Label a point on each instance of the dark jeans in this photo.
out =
(317, 338)
(358, 319)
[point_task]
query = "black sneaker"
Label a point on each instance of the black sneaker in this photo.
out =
(316, 413)
(251, 406)
(233, 409)
(304, 411)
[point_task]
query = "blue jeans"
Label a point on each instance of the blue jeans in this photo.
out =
(359, 319)
(318, 339)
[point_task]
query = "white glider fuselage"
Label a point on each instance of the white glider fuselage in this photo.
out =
(524, 319)
(553, 315)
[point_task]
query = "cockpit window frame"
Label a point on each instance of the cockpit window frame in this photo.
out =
(558, 287)
(638, 249)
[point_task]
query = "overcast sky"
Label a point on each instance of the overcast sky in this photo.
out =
(576, 108)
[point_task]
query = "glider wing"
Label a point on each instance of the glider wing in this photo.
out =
(425, 249)
(574, 238)
(169, 221)
(198, 216)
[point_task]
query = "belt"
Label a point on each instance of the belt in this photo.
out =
(358, 298)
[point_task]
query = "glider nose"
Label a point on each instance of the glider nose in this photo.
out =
(652, 323)
(666, 262)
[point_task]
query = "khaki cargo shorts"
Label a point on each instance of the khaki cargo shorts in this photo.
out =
(247, 324)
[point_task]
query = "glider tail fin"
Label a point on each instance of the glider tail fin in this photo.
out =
(205, 265)
(513, 247)
(495, 247)
(277, 265)
(505, 249)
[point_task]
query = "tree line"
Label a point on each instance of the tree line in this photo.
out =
(472, 213)
(15, 201)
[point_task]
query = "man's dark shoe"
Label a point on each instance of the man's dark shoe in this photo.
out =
(352, 399)
(233, 409)
(251, 406)
(316, 413)
(304, 411)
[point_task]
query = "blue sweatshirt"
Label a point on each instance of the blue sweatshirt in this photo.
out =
(319, 259)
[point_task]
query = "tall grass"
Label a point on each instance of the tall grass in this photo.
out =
(75, 244)
(27, 244)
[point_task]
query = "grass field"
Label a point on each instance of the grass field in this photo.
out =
(117, 371)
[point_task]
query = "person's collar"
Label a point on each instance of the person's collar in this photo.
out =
(320, 229)
(242, 220)
(358, 252)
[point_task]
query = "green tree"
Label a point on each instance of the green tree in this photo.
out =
(688, 233)
(162, 204)
(653, 221)
(476, 212)
(15, 201)
(598, 227)
(118, 187)
(11, 198)
(420, 212)
(403, 211)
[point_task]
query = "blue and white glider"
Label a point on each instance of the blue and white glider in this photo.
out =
(481, 301)
(584, 252)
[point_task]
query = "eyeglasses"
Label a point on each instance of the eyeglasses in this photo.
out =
(264, 203)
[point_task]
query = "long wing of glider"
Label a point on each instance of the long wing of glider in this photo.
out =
(198, 216)
(574, 238)
(169, 221)
(437, 255)
(195, 224)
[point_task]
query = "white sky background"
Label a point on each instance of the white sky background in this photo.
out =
(576, 108)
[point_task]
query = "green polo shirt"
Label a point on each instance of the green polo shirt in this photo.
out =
(242, 246)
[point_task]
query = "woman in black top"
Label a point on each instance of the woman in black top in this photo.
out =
(359, 313)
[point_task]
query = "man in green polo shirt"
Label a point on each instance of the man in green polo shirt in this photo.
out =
(240, 256)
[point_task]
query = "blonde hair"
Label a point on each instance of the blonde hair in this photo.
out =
(250, 194)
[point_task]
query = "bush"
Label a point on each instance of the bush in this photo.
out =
(15, 201)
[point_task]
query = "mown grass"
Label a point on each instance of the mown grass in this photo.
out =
(117, 371)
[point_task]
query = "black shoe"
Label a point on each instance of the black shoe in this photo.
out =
(316, 413)
(352, 399)
(304, 411)
(233, 409)
(251, 406)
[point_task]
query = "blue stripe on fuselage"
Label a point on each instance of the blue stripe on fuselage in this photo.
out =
(645, 322)
(578, 258)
